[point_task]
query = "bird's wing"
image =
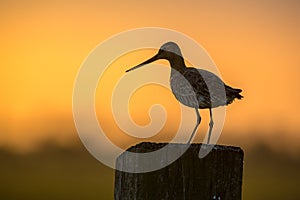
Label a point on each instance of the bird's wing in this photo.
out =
(207, 86)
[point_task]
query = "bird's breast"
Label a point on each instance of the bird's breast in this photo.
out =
(183, 91)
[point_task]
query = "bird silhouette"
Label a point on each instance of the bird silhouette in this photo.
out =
(196, 88)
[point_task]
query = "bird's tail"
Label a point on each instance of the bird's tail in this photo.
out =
(232, 93)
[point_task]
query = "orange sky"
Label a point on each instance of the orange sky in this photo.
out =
(255, 45)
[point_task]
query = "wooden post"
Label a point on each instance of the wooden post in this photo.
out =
(218, 176)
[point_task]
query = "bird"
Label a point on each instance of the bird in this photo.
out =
(193, 87)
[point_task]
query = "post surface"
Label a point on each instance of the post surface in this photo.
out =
(216, 176)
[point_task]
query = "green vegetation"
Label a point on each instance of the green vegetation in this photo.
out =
(54, 173)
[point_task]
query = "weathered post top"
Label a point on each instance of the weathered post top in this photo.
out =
(216, 176)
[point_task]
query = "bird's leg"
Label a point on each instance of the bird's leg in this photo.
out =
(197, 124)
(211, 125)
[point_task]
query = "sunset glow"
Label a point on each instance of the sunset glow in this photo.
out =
(255, 45)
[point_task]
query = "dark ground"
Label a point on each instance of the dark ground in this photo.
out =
(72, 173)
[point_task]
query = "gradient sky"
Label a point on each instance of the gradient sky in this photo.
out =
(255, 45)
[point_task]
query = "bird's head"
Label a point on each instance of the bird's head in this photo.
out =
(166, 51)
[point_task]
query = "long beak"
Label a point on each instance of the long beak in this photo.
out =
(154, 58)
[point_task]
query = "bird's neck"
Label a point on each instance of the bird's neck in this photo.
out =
(177, 63)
